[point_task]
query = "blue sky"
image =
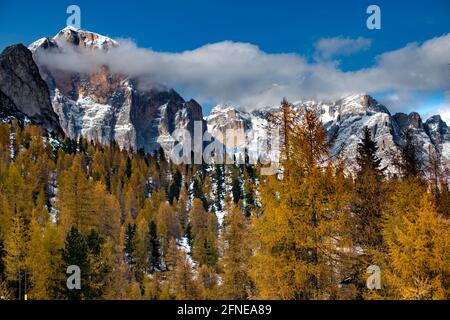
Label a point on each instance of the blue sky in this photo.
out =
(273, 26)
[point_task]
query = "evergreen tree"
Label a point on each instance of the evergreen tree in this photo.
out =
(175, 187)
(199, 194)
(75, 252)
(369, 194)
(410, 165)
(368, 204)
(438, 181)
(236, 189)
(99, 261)
(219, 174)
(128, 168)
(189, 236)
(181, 209)
(130, 246)
(153, 247)
(94, 242)
(250, 201)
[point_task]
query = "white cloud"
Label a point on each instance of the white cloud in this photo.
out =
(242, 74)
(327, 48)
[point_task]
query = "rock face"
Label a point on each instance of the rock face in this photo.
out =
(23, 93)
(106, 107)
(238, 130)
(344, 121)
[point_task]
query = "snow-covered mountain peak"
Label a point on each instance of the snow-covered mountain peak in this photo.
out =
(70, 27)
(84, 39)
(74, 37)
(360, 103)
(224, 117)
(354, 98)
(437, 129)
(436, 122)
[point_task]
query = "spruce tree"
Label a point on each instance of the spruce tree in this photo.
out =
(219, 179)
(75, 252)
(99, 266)
(130, 246)
(199, 194)
(153, 247)
(367, 207)
(410, 165)
(236, 189)
(175, 187)
(94, 242)
(369, 194)
(250, 201)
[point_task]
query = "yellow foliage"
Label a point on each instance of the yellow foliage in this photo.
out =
(418, 253)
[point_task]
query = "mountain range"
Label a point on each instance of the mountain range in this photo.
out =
(104, 106)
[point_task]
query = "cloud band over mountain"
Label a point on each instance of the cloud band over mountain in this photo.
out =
(242, 74)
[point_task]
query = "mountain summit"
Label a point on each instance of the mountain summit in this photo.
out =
(76, 38)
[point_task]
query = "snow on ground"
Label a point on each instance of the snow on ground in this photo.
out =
(11, 144)
(326, 114)
(220, 214)
(183, 244)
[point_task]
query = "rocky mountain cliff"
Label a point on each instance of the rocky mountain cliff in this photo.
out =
(23, 93)
(344, 120)
(106, 107)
